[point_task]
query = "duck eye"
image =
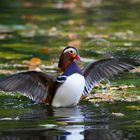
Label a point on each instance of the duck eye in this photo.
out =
(71, 51)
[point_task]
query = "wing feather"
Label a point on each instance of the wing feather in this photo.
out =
(32, 84)
(106, 69)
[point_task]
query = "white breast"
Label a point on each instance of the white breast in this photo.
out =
(69, 93)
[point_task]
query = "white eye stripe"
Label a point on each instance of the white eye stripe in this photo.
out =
(69, 49)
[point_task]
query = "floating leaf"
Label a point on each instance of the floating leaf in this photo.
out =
(34, 61)
(9, 119)
(118, 114)
(48, 126)
(44, 50)
(133, 107)
(62, 123)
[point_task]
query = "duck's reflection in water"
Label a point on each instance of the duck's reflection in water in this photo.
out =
(85, 125)
(72, 116)
(75, 123)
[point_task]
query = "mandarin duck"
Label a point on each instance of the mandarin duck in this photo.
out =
(67, 89)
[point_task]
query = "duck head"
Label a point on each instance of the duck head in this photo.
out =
(69, 54)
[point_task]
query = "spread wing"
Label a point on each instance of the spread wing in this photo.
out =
(32, 84)
(105, 69)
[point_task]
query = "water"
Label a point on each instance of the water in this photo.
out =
(85, 121)
(99, 29)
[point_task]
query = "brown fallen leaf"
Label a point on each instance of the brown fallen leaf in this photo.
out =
(27, 17)
(33, 64)
(44, 50)
(34, 61)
